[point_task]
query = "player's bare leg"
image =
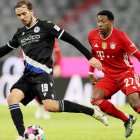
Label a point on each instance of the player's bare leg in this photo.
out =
(67, 106)
(134, 101)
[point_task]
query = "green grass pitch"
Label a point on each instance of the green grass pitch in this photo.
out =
(69, 126)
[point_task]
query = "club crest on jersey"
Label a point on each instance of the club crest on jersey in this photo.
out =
(36, 29)
(112, 45)
(104, 45)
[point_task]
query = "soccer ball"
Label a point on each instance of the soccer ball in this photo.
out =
(34, 132)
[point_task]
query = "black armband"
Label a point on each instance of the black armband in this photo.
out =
(4, 50)
(70, 39)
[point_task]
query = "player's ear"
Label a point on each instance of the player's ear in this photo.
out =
(112, 21)
(32, 12)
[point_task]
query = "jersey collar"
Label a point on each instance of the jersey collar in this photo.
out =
(32, 25)
(108, 36)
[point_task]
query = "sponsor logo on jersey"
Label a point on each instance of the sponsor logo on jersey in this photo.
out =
(36, 29)
(96, 46)
(44, 93)
(30, 39)
(51, 84)
(104, 45)
(134, 87)
(112, 45)
(56, 28)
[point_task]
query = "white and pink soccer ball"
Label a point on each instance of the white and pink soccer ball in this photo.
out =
(34, 132)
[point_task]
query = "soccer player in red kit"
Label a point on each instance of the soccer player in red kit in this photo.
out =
(113, 47)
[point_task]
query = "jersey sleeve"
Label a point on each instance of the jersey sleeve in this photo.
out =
(53, 29)
(13, 43)
(127, 44)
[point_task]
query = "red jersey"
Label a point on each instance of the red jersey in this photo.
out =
(113, 51)
(57, 54)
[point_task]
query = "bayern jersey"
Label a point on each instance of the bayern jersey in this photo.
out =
(113, 51)
(37, 43)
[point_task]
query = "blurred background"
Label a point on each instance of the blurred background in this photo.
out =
(77, 17)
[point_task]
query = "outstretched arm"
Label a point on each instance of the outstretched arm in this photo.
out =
(59, 33)
(5, 50)
(70, 39)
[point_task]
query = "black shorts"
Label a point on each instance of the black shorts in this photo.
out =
(40, 85)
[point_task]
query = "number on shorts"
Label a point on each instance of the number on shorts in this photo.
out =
(44, 87)
(129, 81)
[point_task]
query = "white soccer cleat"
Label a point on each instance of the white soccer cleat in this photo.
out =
(20, 138)
(100, 116)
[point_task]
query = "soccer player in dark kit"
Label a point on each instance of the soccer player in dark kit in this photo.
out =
(113, 47)
(36, 39)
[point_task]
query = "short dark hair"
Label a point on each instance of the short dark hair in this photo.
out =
(107, 13)
(24, 2)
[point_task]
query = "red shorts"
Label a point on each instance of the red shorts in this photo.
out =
(128, 83)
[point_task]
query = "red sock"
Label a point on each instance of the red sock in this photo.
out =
(137, 109)
(110, 109)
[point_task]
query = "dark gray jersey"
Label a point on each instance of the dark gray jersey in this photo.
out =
(37, 43)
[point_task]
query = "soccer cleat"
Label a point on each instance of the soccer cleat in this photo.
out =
(99, 115)
(128, 125)
(20, 138)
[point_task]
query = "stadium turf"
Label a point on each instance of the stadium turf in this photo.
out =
(69, 126)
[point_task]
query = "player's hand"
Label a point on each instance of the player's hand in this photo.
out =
(95, 63)
(92, 79)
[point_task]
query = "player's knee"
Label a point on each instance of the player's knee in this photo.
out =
(137, 109)
(15, 97)
(11, 99)
(135, 104)
(133, 100)
(51, 105)
(97, 94)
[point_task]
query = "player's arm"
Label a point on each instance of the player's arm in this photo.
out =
(59, 33)
(5, 50)
(11, 45)
(130, 47)
(91, 76)
(73, 41)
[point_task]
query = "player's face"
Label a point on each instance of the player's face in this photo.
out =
(25, 15)
(104, 24)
